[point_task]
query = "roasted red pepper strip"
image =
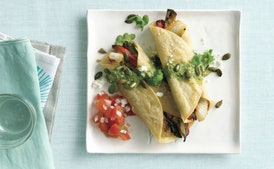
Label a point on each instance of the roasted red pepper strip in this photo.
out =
(124, 51)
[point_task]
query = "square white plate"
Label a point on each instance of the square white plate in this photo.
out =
(217, 30)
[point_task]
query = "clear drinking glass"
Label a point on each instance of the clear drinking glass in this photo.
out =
(17, 121)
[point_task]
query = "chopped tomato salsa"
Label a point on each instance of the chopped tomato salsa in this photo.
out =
(111, 115)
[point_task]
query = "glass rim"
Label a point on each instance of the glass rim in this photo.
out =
(32, 112)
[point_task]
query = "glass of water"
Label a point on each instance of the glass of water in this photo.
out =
(17, 121)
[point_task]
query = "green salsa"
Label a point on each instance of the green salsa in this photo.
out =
(196, 68)
(130, 78)
(122, 75)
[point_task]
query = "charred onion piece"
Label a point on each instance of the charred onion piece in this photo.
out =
(185, 130)
(172, 125)
(170, 17)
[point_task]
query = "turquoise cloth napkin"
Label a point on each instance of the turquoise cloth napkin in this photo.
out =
(18, 75)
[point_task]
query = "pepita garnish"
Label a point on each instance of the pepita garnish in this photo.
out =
(188, 74)
(122, 81)
(98, 75)
(177, 68)
(102, 51)
(226, 56)
(219, 72)
(212, 69)
(219, 103)
(133, 85)
(143, 84)
(197, 71)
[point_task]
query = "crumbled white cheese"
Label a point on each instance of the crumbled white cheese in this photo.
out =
(219, 64)
(98, 84)
(142, 68)
(160, 94)
(206, 81)
(170, 61)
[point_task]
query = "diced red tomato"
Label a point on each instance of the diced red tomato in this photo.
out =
(117, 112)
(102, 104)
(107, 113)
(125, 136)
(102, 95)
(111, 115)
(103, 127)
(114, 131)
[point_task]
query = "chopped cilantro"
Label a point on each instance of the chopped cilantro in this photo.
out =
(140, 21)
(120, 39)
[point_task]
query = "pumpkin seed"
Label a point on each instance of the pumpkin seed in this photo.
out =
(218, 104)
(143, 84)
(212, 69)
(197, 71)
(177, 68)
(188, 74)
(219, 72)
(122, 81)
(133, 85)
(102, 51)
(98, 75)
(226, 56)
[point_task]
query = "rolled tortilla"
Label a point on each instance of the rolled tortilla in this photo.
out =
(145, 103)
(173, 48)
(180, 28)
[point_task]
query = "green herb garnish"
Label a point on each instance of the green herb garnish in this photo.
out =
(156, 79)
(140, 21)
(121, 39)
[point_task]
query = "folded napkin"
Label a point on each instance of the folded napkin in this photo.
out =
(49, 59)
(51, 103)
(18, 74)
